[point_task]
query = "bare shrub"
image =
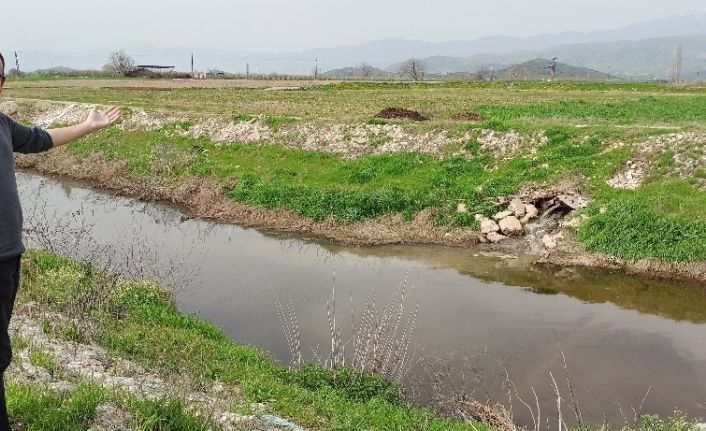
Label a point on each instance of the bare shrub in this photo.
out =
(413, 70)
(121, 63)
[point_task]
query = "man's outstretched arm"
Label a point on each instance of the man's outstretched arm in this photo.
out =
(36, 140)
(96, 120)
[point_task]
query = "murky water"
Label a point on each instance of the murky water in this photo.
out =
(623, 336)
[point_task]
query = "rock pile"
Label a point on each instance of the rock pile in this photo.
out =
(552, 208)
(507, 223)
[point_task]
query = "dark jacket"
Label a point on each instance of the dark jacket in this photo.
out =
(15, 138)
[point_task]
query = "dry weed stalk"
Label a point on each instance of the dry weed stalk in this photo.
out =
(450, 397)
(290, 325)
(381, 340)
(383, 337)
(574, 400)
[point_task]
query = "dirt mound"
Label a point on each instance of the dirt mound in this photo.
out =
(399, 113)
(468, 116)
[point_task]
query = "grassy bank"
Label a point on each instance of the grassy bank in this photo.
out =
(136, 320)
(66, 307)
(577, 132)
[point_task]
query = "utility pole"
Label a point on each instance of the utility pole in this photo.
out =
(247, 70)
(17, 64)
(678, 65)
(316, 68)
(192, 64)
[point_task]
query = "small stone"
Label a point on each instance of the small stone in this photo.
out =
(495, 237)
(511, 226)
(488, 226)
(462, 208)
(501, 215)
(517, 207)
(479, 217)
(482, 239)
(531, 211)
(603, 210)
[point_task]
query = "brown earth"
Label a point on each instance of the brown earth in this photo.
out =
(401, 114)
(143, 83)
(467, 116)
(203, 198)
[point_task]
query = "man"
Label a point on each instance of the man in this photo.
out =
(16, 138)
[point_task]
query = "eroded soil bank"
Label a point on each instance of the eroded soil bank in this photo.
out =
(204, 199)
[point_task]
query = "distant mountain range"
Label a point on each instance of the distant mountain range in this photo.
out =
(535, 69)
(645, 49)
(647, 59)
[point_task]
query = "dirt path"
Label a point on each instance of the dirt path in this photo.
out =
(168, 84)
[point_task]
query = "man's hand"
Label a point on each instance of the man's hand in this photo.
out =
(96, 120)
(101, 119)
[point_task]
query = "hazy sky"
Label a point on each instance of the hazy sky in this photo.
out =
(277, 25)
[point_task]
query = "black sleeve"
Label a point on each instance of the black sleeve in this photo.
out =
(29, 139)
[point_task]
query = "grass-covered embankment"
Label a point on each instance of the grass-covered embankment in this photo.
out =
(138, 322)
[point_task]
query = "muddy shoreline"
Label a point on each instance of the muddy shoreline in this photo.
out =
(200, 198)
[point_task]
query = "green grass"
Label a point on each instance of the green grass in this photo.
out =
(41, 358)
(275, 122)
(165, 414)
(239, 118)
(511, 85)
(44, 410)
(656, 110)
(152, 331)
(664, 220)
